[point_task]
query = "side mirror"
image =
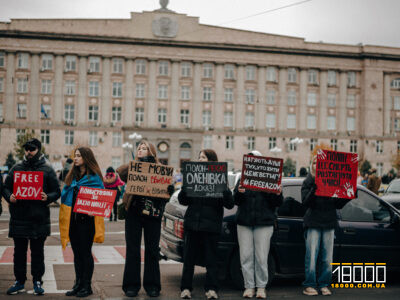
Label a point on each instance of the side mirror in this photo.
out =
(395, 219)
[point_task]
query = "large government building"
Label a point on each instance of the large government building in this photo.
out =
(185, 86)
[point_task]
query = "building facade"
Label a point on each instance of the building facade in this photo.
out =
(186, 86)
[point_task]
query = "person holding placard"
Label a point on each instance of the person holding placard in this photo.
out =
(113, 182)
(319, 227)
(202, 223)
(81, 229)
(255, 220)
(143, 213)
(33, 178)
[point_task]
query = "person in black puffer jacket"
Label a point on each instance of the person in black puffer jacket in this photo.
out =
(30, 219)
(255, 220)
(319, 226)
(202, 223)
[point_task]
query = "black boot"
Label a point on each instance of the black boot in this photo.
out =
(86, 290)
(75, 288)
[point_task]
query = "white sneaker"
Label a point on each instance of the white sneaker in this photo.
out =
(248, 293)
(186, 294)
(211, 294)
(261, 293)
(309, 291)
(325, 291)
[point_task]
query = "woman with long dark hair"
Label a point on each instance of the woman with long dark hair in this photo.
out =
(81, 229)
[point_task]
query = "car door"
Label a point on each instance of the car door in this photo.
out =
(368, 232)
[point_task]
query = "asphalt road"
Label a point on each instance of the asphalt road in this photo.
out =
(107, 279)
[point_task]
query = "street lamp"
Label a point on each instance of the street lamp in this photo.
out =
(134, 136)
(276, 150)
(130, 147)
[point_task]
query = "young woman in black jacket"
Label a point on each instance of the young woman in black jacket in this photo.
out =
(202, 223)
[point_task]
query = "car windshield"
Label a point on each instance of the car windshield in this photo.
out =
(394, 187)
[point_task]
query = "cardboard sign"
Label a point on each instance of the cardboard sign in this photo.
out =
(28, 185)
(336, 174)
(96, 202)
(148, 179)
(261, 173)
(205, 179)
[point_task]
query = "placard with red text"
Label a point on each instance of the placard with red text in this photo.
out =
(28, 185)
(96, 202)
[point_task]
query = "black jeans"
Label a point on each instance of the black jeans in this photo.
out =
(197, 242)
(81, 234)
(115, 209)
(134, 224)
(37, 258)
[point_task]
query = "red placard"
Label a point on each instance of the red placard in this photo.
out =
(336, 174)
(28, 185)
(262, 174)
(95, 202)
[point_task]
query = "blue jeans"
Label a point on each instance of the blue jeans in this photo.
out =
(319, 252)
(254, 243)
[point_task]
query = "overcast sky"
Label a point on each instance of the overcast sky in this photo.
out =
(373, 22)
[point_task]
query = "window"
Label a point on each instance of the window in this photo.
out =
(93, 138)
(117, 89)
(397, 124)
(207, 70)
(271, 74)
(292, 75)
(116, 139)
(351, 79)
(331, 123)
(207, 93)
(94, 64)
(23, 60)
(312, 76)
(46, 86)
(207, 142)
(184, 116)
(45, 110)
(116, 114)
(139, 115)
(93, 113)
(45, 136)
(69, 112)
(291, 121)
(331, 78)
(94, 89)
(292, 205)
(162, 91)
(206, 118)
(70, 87)
(70, 63)
(2, 59)
(163, 68)
(311, 122)
(69, 137)
(229, 142)
(139, 90)
(185, 92)
(140, 66)
(271, 97)
(353, 146)
(229, 71)
(292, 145)
(351, 124)
(22, 85)
(1, 84)
(271, 143)
(395, 84)
(331, 100)
(351, 101)
(334, 144)
(186, 69)
(249, 120)
(21, 111)
(20, 133)
(311, 99)
(118, 65)
(379, 146)
(313, 144)
(291, 97)
(115, 162)
(271, 120)
(228, 95)
(396, 102)
(47, 62)
(228, 119)
(250, 73)
(251, 143)
(162, 115)
(250, 96)
(1, 112)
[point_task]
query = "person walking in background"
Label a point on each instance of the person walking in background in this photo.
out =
(30, 219)
(255, 220)
(374, 181)
(81, 229)
(113, 182)
(202, 223)
(67, 166)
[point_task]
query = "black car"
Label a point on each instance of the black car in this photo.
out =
(392, 193)
(369, 231)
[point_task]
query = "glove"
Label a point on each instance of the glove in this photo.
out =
(171, 189)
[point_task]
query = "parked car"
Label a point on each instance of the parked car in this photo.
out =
(392, 193)
(369, 231)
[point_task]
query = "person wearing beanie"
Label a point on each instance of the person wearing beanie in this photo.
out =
(113, 182)
(30, 219)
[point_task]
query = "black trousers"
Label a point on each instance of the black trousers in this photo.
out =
(134, 224)
(81, 234)
(115, 209)
(37, 258)
(195, 243)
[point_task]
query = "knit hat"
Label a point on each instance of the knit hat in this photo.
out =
(110, 170)
(33, 143)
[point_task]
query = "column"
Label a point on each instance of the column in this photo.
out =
(197, 101)
(9, 112)
(81, 107)
(387, 101)
(342, 103)
(33, 100)
(261, 107)
(128, 111)
(282, 103)
(323, 100)
(218, 111)
(151, 101)
(58, 90)
(106, 104)
(240, 107)
(302, 105)
(174, 112)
